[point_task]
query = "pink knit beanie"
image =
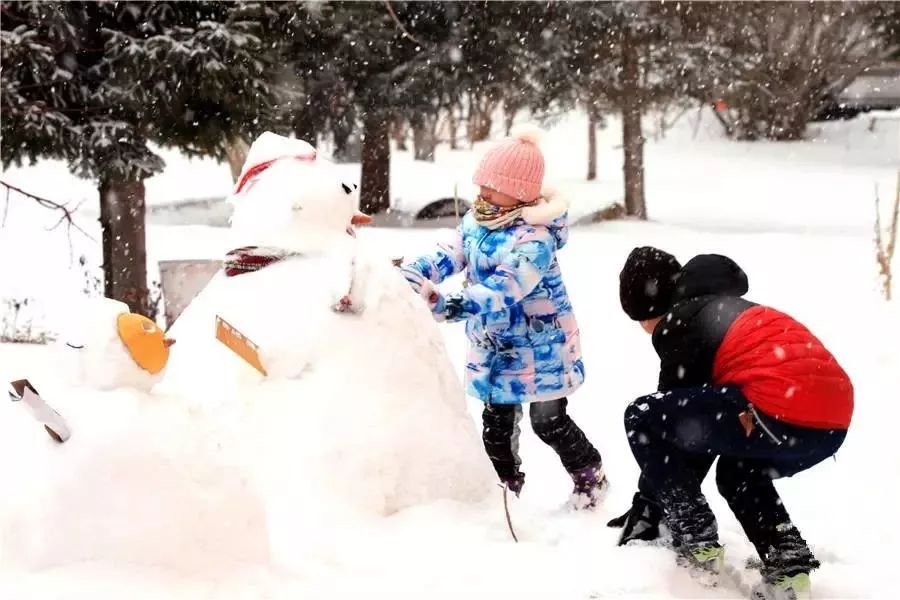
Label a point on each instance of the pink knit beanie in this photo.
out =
(514, 166)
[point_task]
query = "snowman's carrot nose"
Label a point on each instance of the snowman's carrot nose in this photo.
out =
(360, 219)
(169, 342)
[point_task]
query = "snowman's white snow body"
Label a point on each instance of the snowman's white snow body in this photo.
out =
(143, 480)
(361, 413)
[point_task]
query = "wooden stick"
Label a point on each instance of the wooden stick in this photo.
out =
(509, 524)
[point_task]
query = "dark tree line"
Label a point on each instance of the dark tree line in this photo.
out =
(94, 83)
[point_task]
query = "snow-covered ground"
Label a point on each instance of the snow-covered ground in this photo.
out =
(797, 216)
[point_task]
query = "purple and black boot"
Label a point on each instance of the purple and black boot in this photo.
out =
(590, 484)
(515, 483)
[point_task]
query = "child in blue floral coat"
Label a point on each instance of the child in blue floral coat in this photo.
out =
(524, 340)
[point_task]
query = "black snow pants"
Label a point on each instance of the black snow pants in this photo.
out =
(552, 425)
(675, 436)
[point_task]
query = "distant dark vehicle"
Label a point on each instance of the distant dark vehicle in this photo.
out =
(445, 207)
(877, 88)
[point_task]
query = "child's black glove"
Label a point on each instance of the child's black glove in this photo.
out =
(640, 522)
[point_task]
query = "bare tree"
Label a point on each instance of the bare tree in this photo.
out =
(884, 247)
(399, 131)
(453, 125)
(773, 66)
(425, 134)
(632, 134)
(66, 212)
(481, 113)
(592, 144)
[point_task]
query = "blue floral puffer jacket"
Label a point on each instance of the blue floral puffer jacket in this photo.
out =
(524, 340)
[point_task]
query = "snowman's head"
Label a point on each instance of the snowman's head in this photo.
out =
(114, 347)
(290, 198)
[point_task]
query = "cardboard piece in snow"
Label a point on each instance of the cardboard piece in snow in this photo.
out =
(22, 391)
(181, 281)
(238, 343)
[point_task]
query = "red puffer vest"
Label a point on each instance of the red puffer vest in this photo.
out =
(784, 370)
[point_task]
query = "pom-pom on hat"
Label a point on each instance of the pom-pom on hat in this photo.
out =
(647, 283)
(515, 165)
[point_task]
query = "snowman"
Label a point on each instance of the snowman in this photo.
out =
(130, 478)
(342, 393)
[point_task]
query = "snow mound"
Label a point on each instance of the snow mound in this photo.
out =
(362, 415)
(142, 481)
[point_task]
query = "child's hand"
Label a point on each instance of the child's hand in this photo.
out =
(427, 290)
(435, 300)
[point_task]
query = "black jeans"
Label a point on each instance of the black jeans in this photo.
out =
(675, 437)
(551, 424)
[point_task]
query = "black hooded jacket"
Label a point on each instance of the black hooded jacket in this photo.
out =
(712, 335)
(707, 300)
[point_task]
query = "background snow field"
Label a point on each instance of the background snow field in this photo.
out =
(798, 217)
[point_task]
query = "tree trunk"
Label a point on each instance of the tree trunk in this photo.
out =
(632, 136)
(791, 122)
(592, 144)
(124, 244)
(452, 126)
(480, 119)
(398, 134)
(425, 138)
(343, 125)
(236, 149)
(375, 195)
(304, 129)
(509, 117)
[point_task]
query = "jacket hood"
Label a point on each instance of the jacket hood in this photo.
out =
(710, 274)
(550, 211)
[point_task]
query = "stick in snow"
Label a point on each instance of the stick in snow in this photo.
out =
(509, 524)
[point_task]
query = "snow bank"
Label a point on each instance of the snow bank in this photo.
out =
(141, 481)
(813, 258)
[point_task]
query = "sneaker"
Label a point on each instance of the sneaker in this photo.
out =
(705, 562)
(590, 484)
(785, 587)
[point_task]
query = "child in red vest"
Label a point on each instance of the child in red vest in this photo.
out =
(738, 381)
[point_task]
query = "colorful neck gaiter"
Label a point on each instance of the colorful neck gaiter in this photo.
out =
(495, 217)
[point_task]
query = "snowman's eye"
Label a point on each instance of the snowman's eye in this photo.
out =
(346, 187)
